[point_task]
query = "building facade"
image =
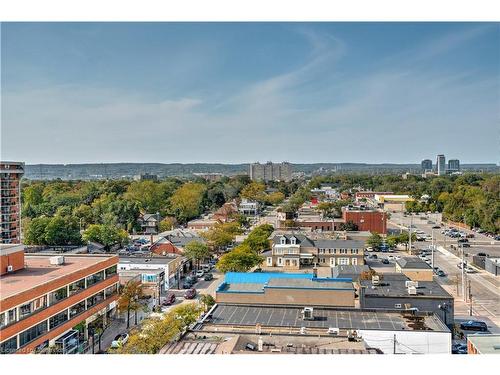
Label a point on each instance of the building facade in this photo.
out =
(441, 165)
(270, 171)
(294, 251)
(426, 165)
(10, 201)
(366, 219)
(453, 165)
(52, 301)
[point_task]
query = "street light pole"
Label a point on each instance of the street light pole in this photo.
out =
(463, 274)
(432, 248)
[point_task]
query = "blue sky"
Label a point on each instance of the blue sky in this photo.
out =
(243, 92)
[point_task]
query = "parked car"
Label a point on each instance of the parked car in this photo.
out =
(200, 273)
(466, 244)
(169, 300)
(462, 240)
(119, 340)
(441, 273)
(482, 254)
(436, 227)
(469, 269)
(459, 349)
(373, 256)
(391, 257)
(470, 235)
(190, 293)
(385, 261)
(474, 325)
(206, 267)
(208, 277)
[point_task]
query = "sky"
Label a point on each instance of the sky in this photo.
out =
(246, 92)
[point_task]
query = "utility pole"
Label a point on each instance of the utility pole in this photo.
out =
(463, 274)
(409, 233)
(394, 345)
(470, 299)
(432, 250)
(456, 282)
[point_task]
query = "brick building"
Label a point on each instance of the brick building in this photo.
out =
(10, 201)
(366, 219)
(44, 301)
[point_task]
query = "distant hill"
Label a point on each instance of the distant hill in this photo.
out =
(128, 170)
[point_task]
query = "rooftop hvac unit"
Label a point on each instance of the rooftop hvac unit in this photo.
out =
(302, 330)
(333, 331)
(308, 313)
(57, 260)
(10, 268)
(410, 283)
(412, 290)
(375, 280)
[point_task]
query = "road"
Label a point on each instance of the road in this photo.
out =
(485, 288)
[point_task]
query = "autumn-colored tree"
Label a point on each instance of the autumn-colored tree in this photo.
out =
(129, 299)
(167, 223)
(222, 234)
(240, 259)
(186, 202)
(196, 251)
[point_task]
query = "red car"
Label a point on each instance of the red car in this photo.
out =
(169, 300)
(190, 293)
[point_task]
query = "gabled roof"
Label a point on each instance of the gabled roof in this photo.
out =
(412, 263)
(301, 239)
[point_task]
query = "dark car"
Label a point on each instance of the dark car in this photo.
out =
(474, 325)
(170, 300)
(459, 349)
(466, 245)
(441, 273)
(482, 254)
(462, 240)
(436, 227)
(374, 256)
(190, 293)
(208, 277)
(385, 261)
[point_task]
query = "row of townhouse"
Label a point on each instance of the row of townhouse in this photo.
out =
(294, 251)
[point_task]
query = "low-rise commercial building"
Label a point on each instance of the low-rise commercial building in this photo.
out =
(285, 289)
(392, 202)
(390, 332)
(42, 302)
(249, 208)
(414, 268)
(492, 265)
(396, 291)
(366, 219)
(293, 251)
(483, 344)
(202, 224)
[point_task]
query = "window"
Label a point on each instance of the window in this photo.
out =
(111, 290)
(354, 261)
(321, 251)
(76, 287)
(58, 319)
(283, 240)
(344, 261)
(76, 309)
(111, 271)
(269, 261)
(9, 346)
(332, 261)
(335, 251)
(58, 295)
(95, 299)
(280, 261)
(397, 306)
(11, 316)
(3, 320)
(322, 260)
(354, 251)
(32, 333)
(25, 310)
(95, 278)
(293, 240)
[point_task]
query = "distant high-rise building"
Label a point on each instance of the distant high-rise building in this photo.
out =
(271, 171)
(10, 201)
(441, 165)
(426, 165)
(453, 165)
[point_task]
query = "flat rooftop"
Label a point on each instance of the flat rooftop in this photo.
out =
(39, 271)
(412, 263)
(276, 316)
(6, 249)
(397, 288)
(485, 344)
(161, 260)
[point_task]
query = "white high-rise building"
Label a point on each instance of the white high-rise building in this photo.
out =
(441, 165)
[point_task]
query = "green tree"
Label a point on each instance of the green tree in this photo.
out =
(222, 235)
(196, 251)
(34, 230)
(348, 226)
(130, 299)
(167, 223)
(240, 259)
(62, 231)
(207, 301)
(375, 240)
(258, 239)
(185, 203)
(106, 235)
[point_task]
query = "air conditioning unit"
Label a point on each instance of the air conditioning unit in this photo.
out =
(333, 331)
(302, 330)
(375, 280)
(10, 268)
(308, 313)
(57, 260)
(410, 283)
(412, 290)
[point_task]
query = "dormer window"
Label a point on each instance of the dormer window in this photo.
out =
(293, 241)
(283, 240)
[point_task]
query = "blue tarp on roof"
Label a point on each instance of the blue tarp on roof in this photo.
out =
(262, 277)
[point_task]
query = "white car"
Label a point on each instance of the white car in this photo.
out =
(200, 273)
(369, 248)
(119, 340)
(391, 257)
